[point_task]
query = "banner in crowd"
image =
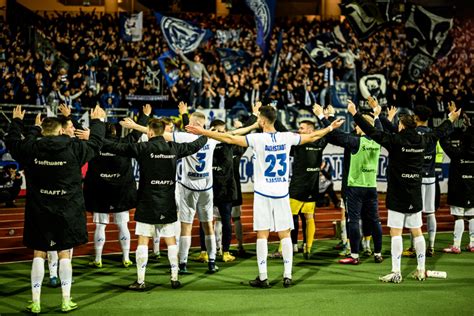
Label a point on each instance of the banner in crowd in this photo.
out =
(213, 114)
(233, 60)
(181, 35)
(169, 67)
(374, 85)
(363, 16)
(131, 27)
(428, 38)
(342, 92)
(153, 77)
(264, 11)
(226, 36)
(321, 49)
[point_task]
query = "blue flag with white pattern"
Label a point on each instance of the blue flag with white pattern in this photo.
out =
(264, 11)
(169, 67)
(181, 35)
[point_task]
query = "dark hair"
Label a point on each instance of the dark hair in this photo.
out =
(157, 126)
(268, 112)
(408, 120)
(423, 112)
(310, 123)
(217, 122)
(112, 130)
(64, 120)
(167, 120)
(50, 124)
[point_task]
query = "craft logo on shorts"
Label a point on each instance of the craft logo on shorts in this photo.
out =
(262, 13)
(181, 35)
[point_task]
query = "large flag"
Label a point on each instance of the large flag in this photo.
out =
(375, 86)
(342, 92)
(131, 27)
(320, 49)
(169, 67)
(264, 11)
(275, 64)
(181, 35)
(428, 38)
(233, 60)
(363, 16)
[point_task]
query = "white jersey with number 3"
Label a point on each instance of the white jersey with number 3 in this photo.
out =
(272, 162)
(196, 169)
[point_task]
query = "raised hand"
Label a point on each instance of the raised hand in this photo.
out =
(197, 130)
(451, 106)
(147, 109)
(453, 114)
(392, 111)
(82, 134)
(182, 108)
(65, 110)
(256, 107)
(372, 102)
(330, 111)
(38, 119)
(317, 109)
(18, 113)
(128, 123)
(377, 110)
(351, 107)
(337, 123)
(98, 113)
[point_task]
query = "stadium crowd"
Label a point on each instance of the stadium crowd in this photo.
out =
(104, 68)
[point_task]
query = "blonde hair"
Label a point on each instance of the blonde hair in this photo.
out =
(198, 116)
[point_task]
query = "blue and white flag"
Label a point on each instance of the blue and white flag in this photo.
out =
(131, 27)
(169, 67)
(264, 11)
(363, 16)
(320, 49)
(275, 64)
(233, 60)
(181, 35)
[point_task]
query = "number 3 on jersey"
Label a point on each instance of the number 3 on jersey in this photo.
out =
(272, 159)
(202, 163)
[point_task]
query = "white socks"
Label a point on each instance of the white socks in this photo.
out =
(53, 264)
(471, 232)
(37, 275)
(99, 241)
(458, 231)
(343, 232)
(262, 253)
(173, 259)
(124, 237)
(218, 233)
(431, 226)
(420, 248)
(142, 260)
(211, 246)
(65, 274)
(287, 253)
(184, 244)
(156, 245)
(397, 248)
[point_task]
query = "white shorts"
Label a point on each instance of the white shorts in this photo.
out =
(428, 193)
(150, 230)
(271, 213)
(236, 211)
(190, 201)
(400, 220)
(462, 211)
(104, 218)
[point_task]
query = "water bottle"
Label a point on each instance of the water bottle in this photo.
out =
(436, 274)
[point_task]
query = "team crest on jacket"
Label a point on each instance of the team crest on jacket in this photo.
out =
(181, 35)
(262, 13)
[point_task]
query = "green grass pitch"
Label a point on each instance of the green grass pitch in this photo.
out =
(321, 287)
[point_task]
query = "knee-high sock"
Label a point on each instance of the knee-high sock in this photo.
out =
(377, 236)
(420, 248)
(343, 232)
(310, 230)
(177, 231)
(156, 245)
(303, 228)
(294, 232)
(184, 245)
(218, 233)
(173, 259)
(353, 228)
(37, 275)
(238, 230)
(99, 240)
(431, 225)
(211, 246)
(124, 236)
(458, 231)
(471, 232)
(65, 274)
(202, 238)
(287, 253)
(53, 264)
(397, 248)
(262, 253)
(141, 256)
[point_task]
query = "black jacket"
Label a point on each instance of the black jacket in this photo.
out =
(406, 157)
(109, 185)
(157, 162)
(55, 210)
(224, 185)
(461, 169)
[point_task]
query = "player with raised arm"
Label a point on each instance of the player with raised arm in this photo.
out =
(272, 210)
